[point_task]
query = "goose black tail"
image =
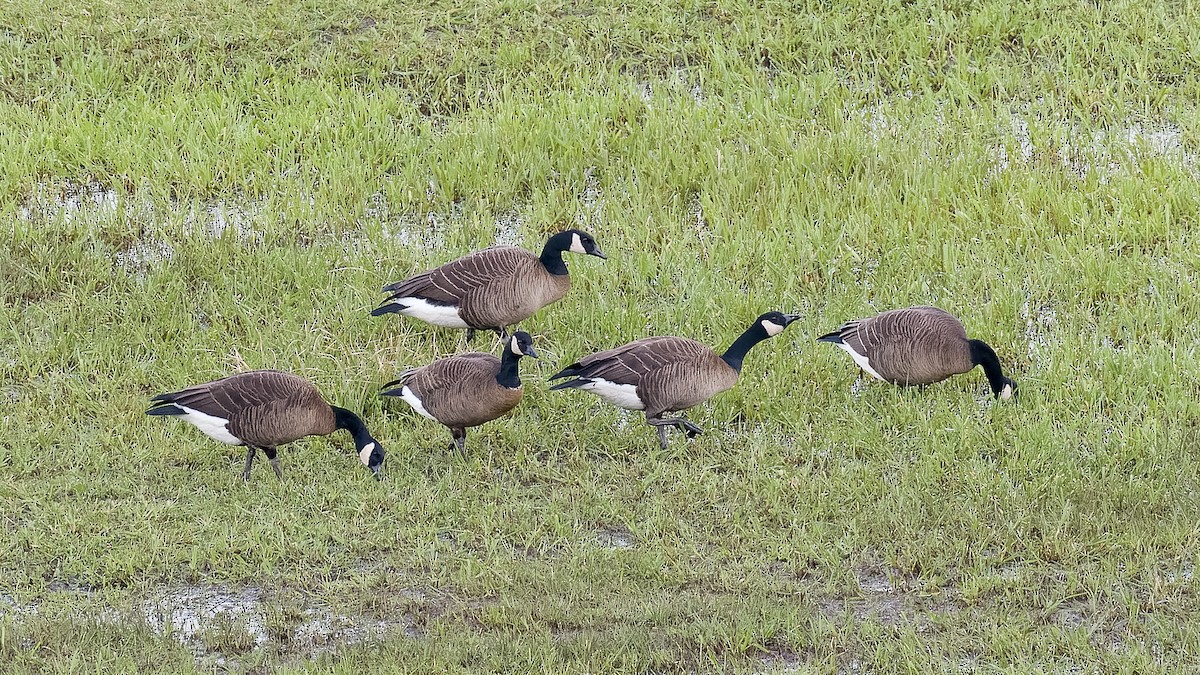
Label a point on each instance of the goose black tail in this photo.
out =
(835, 337)
(165, 408)
(569, 384)
(388, 308)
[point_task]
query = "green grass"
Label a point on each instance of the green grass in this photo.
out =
(188, 189)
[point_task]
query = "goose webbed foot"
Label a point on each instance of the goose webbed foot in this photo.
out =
(679, 423)
(270, 453)
(691, 429)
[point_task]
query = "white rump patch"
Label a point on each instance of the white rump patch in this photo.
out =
(862, 361)
(411, 399)
(364, 455)
(1006, 393)
(621, 395)
(214, 427)
(445, 316)
(516, 348)
(577, 244)
(772, 328)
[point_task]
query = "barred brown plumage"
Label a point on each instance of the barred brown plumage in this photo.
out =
(489, 289)
(465, 390)
(917, 346)
(263, 409)
(667, 374)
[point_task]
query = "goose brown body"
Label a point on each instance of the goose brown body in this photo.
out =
(489, 289)
(918, 346)
(465, 390)
(495, 287)
(911, 346)
(461, 390)
(667, 374)
(262, 409)
(670, 373)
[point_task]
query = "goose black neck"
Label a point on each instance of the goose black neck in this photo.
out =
(737, 351)
(551, 257)
(509, 375)
(985, 356)
(344, 419)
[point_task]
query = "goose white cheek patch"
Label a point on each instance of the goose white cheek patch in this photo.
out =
(1006, 393)
(365, 454)
(772, 328)
(577, 244)
(516, 348)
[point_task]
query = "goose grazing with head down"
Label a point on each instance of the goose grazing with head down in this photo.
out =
(667, 374)
(489, 289)
(918, 345)
(465, 390)
(263, 409)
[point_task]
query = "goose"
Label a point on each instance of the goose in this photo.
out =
(918, 346)
(465, 390)
(263, 409)
(667, 374)
(489, 289)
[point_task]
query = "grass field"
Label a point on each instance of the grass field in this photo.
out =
(188, 189)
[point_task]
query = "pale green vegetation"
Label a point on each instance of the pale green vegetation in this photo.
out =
(190, 188)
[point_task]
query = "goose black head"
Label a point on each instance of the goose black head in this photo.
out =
(521, 344)
(774, 322)
(371, 455)
(576, 241)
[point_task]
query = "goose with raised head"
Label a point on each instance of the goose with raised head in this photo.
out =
(263, 409)
(489, 289)
(465, 390)
(661, 375)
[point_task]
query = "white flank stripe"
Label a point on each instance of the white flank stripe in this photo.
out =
(214, 427)
(861, 360)
(438, 315)
(621, 395)
(411, 399)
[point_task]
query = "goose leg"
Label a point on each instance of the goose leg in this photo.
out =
(460, 440)
(249, 462)
(680, 423)
(470, 335)
(502, 333)
(270, 453)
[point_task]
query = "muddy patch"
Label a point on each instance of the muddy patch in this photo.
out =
(421, 231)
(144, 255)
(11, 608)
(219, 623)
(509, 226)
(879, 600)
(780, 659)
(50, 203)
(1041, 319)
(616, 537)
(1099, 154)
